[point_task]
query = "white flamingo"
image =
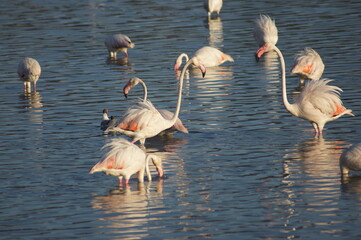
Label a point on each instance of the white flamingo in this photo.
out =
(152, 122)
(266, 34)
(308, 65)
(318, 102)
(206, 57)
(134, 116)
(123, 159)
(29, 71)
(350, 159)
(213, 6)
(118, 43)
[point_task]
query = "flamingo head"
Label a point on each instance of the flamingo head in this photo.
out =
(157, 161)
(130, 84)
(265, 48)
(200, 65)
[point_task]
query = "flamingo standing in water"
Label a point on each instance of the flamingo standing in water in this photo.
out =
(318, 102)
(134, 115)
(124, 159)
(266, 34)
(118, 43)
(106, 121)
(308, 65)
(213, 6)
(29, 71)
(350, 159)
(152, 122)
(206, 57)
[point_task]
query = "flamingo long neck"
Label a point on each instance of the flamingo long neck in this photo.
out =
(180, 87)
(184, 55)
(145, 90)
(149, 176)
(288, 106)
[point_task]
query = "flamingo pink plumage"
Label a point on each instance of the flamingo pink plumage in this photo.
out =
(123, 159)
(266, 34)
(308, 64)
(149, 122)
(206, 57)
(118, 43)
(29, 71)
(134, 116)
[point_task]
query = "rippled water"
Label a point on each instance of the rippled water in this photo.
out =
(247, 169)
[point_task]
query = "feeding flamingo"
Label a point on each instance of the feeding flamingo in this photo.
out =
(124, 159)
(206, 57)
(136, 115)
(118, 43)
(318, 102)
(152, 122)
(308, 65)
(350, 159)
(29, 71)
(266, 34)
(106, 121)
(213, 6)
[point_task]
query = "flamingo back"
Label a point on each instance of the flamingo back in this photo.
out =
(210, 56)
(29, 69)
(308, 63)
(118, 41)
(265, 31)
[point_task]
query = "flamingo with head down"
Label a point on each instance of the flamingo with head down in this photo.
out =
(29, 71)
(123, 159)
(212, 6)
(118, 43)
(134, 116)
(150, 121)
(205, 57)
(350, 160)
(318, 102)
(308, 65)
(266, 34)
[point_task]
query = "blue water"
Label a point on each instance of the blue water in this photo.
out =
(247, 169)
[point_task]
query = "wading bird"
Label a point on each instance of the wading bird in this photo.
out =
(212, 6)
(29, 71)
(350, 159)
(154, 122)
(266, 34)
(135, 117)
(308, 65)
(123, 159)
(206, 57)
(118, 43)
(106, 121)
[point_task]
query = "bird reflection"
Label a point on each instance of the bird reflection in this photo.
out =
(215, 27)
(351, 187)
(119, 61)
(32, 102)
(129, 209)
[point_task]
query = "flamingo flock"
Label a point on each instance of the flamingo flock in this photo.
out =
(318, 102)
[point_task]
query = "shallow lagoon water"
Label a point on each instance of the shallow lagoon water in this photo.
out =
(247, 169)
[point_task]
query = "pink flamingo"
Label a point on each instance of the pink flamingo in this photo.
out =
(135, 116)
(151, 122)
(318, 102)
(213, 6)
(124, 159)
(206, 57)
(308, 65)
(266, 34)
(350, 160)
(29, 71)
(118, 43)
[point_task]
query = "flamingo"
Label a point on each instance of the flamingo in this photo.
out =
(151, 122)
(123, 159)
(118, 43)
(134, 116)
(106, 121)
(308, 65)
(266, 34)
(206, 57)
(350, 159)
(213, 6)
(317, 103)
(29, 71)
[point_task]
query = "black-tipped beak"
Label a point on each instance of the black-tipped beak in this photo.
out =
(257, 58)
(125, 95)
(203, 74)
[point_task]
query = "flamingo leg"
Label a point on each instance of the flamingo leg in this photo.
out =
(120, 180)
(34, 86)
